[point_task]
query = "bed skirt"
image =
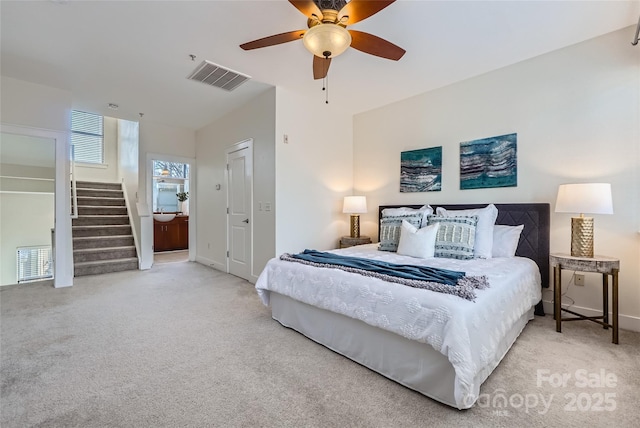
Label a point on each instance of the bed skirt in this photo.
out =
(413, 364)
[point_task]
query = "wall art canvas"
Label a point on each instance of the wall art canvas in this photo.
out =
(421, 170)
(489, 162)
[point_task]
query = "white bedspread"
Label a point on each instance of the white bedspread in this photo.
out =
(467, 333)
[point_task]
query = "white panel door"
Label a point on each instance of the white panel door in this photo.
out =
(240, 175)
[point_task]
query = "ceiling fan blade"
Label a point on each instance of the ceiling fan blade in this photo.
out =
(274, 40)
(307, 7)
(374, 45)
(357, 10)
(320, 67)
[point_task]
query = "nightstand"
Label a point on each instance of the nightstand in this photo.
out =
(598, 264)
(347, 241)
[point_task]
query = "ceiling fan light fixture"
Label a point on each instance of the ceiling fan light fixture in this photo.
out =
(326, 38)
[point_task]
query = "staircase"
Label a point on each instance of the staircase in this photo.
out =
(102, 236)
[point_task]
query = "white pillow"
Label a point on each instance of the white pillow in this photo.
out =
(416, 242)
(505, 240)
(483, 246)
(425, 210)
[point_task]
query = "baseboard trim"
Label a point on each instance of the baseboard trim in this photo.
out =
(625, 322)
(211, 263)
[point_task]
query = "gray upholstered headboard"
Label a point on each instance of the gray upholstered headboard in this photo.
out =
(534, 239)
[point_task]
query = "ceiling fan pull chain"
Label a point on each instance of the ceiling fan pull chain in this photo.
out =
(326, 101)
(325, 81)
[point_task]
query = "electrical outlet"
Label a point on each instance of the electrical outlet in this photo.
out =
(579, 279)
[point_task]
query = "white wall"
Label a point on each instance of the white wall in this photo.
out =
(314, 171)
(156, 138)
(42, 111)
(128, 148)
(27, 178)
(255, 120)
(304, 180)
(108, 171)
(576, 113)
(37, 106)
(34, 212)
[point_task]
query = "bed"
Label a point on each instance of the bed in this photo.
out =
(440, 345)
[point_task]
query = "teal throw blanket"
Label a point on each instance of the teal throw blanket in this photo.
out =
(413, 272)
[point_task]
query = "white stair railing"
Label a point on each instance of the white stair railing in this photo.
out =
(74, 188)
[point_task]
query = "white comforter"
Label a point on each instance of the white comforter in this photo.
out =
(467, 333)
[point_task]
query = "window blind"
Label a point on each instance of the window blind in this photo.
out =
(87, 137)
(34, 263)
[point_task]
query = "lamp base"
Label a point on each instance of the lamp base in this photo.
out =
(582, 236)
(355, 226)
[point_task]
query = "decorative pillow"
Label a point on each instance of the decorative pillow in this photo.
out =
(505, 240)
(416, 242)
(425, 210)
(456, 236)
(484, 230)
(390, 229)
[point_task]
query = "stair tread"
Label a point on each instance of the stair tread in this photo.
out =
(93, 226)
(102, 262)
(102, 215)
(97, 206)
(99, 197)
(89, 250)
(86, 238)
(113, 183)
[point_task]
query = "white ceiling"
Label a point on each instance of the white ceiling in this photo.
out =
(136, 53)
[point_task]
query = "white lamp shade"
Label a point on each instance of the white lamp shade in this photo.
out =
(591, 198)
(355, 205)
(328, 37)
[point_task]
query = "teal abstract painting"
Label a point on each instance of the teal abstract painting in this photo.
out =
(421, 170)
(489, 162)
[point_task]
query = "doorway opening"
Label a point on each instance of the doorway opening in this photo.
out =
(27, 208)
(171, 200)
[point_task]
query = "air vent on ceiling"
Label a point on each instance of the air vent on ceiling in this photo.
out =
(218, 76)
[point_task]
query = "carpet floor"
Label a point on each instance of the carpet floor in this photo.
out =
(182, 345)
(171, 256)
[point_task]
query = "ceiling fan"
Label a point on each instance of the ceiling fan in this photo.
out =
(327, 35)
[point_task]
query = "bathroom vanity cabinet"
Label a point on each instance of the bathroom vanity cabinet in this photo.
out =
(171, 235)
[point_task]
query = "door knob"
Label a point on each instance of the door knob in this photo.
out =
(246, 221)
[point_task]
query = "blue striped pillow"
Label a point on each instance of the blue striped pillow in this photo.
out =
(390, 226)
(456, 236)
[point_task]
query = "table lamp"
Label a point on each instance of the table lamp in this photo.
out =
(355, 205)
(592, 198)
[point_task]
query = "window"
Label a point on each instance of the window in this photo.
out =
(170, 169)
(34, 263)
(169, 179)
(87, 137)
